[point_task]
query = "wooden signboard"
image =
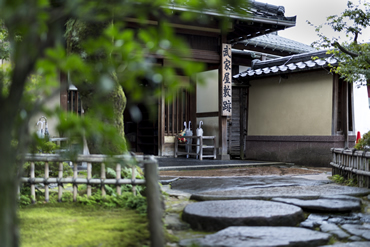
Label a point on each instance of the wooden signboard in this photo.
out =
(226, 80)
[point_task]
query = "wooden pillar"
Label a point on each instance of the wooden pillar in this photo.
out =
(246, 114)
(193, 110)
(224, 88)
(345, 115)
(334, 128)
(161, 122)
(241, 122)
(222, 133)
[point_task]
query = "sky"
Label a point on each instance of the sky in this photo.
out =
(314, 11)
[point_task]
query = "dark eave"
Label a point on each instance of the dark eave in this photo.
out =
(248, 21)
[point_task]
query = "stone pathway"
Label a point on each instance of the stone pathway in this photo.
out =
(323, 205)
(270, 204)
(217, 215)
(262, 236)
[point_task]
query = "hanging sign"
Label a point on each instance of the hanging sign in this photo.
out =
(226, 80)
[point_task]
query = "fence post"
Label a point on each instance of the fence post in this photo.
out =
(74, 179)
(154, 201)
(60, 187)
(32, 176)
(118, 177)
(201, 148)
(133, 176)
(102, 177)
(46, 185)
(89, 168)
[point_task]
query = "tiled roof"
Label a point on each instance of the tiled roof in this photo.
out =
(276, 42)
(294, 63)
(250, 20)
(252, 10)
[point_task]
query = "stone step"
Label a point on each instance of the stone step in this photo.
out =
(352, 244)
(217, 215)
(261, 236)
(323, 205)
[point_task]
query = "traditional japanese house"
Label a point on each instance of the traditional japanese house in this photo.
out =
(212, 102)
(295, 110)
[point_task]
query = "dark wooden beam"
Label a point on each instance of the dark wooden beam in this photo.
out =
(207, 114)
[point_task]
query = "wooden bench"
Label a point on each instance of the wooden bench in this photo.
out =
(201, 145)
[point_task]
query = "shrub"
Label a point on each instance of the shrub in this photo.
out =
(24, 200)
(53, 169)
(364, 142)
(341, 180)
(47, 148)
(126, 200)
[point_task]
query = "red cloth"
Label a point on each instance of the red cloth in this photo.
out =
(358, 136)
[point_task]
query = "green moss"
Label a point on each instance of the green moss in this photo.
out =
(68, 224)
(332, 240)
(341, 180)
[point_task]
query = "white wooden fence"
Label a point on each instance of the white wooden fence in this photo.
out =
(352, 164)
(153, 195)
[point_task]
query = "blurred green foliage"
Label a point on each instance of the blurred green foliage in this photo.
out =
(364, 142)
(352, 52)
(33, 35)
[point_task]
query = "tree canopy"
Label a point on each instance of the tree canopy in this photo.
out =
(353, 54)
(33, 35)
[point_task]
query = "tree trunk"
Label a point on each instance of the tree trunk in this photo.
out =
(8, 185)
(91, 97)
(117, 100)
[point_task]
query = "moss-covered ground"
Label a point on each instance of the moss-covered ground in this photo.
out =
(71, 224)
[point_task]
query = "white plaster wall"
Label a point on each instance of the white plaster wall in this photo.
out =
(207, 101)
(243, 68)
(362, 111)
(207, 91)
(299, 105)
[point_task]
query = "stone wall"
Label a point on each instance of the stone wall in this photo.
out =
(301, 150)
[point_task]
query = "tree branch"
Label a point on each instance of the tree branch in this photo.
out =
(344, 50)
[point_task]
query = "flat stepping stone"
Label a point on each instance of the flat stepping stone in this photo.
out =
(316, 220)
(358, 230)
(353, 244)
(334, 230)
(341, 197)
(301, 192)
(244, 236)
(323, 205)
(217, 215)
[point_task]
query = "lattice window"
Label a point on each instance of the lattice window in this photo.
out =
(176, 113)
